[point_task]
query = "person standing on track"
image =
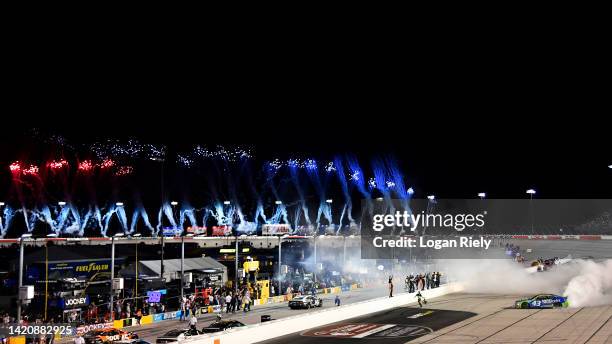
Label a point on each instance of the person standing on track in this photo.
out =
(390, 286)
(420, 299)
(193, 321)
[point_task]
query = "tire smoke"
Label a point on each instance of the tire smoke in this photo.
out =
(585, 283)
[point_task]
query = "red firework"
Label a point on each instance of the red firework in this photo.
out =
(31, 170)
(15, 167)
(57, 164)
(124, 170)
(85, 166)
(107, 163)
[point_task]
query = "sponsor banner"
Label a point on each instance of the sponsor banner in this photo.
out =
(153, 296)
(158, 317)
(81, 330)
(172, 231)
(275, 229)
(74, 302)
(590, 237)
(196, 230)
(172, 315)
(368, 331)
(75, 269)
(223, 230)
(347, 330)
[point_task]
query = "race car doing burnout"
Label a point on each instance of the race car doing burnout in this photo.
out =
(108, 335)
(542, 301)
(306, 301)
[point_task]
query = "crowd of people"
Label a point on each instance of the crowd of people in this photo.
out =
(417, 282)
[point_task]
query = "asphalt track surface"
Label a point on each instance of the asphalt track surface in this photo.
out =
(466, 318)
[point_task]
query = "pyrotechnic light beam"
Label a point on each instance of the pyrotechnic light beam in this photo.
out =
(482, 195)
(431, 197)
(278, 202)
(410, 191)
(61, 203)
(329, 201)
(174, 203)
(119, 204)
(227, 202)
(530, 191)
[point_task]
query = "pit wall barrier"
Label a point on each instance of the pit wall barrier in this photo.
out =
(276, 328)
(563, 237)
(153, 318)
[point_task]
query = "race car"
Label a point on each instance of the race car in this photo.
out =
(306, 301)
(542, 301)
(222, 325)
(108, 335)
(176, 336)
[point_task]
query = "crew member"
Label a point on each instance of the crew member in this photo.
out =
(193, 321)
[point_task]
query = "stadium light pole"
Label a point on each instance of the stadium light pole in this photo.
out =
(531, 192)
(314, 271)
(51, 235)
(183, 263)
(20, 281)
(112, 291)
(280, 271)
(236, 262)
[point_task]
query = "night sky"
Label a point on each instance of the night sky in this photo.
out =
(455, 165)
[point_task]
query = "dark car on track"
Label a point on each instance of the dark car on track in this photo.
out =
(177, 335)
(542, 301)
(305, 301)
(222, 325)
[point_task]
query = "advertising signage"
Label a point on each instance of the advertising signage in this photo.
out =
(66, 269)
(74, 302)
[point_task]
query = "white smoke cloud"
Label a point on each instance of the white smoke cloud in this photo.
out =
(585, 283)
(592, 286)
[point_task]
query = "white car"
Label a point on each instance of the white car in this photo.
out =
(305, 301)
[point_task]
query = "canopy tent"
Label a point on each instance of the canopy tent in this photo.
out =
(172, 267)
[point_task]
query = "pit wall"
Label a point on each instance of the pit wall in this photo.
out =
(303, 321)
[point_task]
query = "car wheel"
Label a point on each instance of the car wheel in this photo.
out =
(524, 305)
(308, 306)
